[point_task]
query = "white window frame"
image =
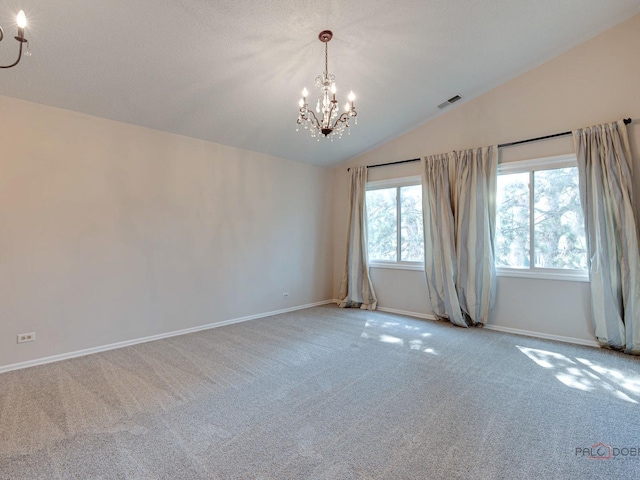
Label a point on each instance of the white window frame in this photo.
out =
(396, 183)
(530, 166)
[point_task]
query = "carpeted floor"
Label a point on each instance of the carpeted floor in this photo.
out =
(326, 393)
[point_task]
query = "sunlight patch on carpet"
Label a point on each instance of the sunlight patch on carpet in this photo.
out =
(585, 375)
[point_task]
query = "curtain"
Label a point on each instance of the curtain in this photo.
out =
(458, 205)
(356, 289)
(604, 164)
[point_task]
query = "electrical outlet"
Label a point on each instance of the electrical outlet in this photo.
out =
(285, 295)
(26, 337)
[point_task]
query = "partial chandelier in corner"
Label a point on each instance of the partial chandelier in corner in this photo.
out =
(21, 20)
(330, 124)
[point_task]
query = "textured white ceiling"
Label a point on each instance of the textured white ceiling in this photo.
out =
(231, 71)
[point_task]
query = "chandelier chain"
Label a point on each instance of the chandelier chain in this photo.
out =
(326, 58)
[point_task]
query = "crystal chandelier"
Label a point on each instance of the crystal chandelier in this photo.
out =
(22, 23)
(331, 123)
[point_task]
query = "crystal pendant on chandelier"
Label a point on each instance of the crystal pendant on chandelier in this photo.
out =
(328, 121)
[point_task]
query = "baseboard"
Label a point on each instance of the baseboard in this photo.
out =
(127, 343)
(498, 328)
(546, 336)
(425, 316)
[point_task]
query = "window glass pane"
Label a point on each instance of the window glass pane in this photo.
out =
(512, 220)
(411, 233)
(381, 224)
(559, 239)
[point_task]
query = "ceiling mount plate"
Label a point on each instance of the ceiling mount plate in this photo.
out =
(325, 36)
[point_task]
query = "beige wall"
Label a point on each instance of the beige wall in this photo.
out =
(596, 82)
(111, 232)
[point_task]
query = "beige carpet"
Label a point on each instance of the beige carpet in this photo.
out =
(325, 393)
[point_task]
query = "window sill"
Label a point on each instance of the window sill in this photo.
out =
(576, 276)
(398, 266)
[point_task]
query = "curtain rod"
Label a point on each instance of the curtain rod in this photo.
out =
(626, 121)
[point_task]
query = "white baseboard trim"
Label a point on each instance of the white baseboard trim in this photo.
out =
(498, 328)
(546, 336)
(127, 343)
(426, 316)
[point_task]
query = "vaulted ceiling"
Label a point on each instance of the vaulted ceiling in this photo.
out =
(231, 71)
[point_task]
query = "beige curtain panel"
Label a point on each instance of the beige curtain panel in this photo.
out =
(604, 164)
(458, 205)
(356, 289)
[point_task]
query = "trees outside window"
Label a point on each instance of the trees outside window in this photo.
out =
(539, 221)
(394, 222)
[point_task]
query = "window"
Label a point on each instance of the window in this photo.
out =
(394, 223)
(539, 221)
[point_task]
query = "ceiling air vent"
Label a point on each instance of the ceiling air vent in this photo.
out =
(453, 99)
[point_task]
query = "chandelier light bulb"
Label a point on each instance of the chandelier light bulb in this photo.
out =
(346, 107)
(352, 97)
(305, 92)
(21, 20)
(333, 88)
(301, 103)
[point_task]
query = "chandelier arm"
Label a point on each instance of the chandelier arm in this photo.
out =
(343, 118)
(314, 121)
(21, 40)
(333, 107)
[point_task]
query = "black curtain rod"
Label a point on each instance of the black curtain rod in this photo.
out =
(627, 121)
(390, 163)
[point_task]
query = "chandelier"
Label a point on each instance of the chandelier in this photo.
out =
(22, 22)
(330, 123)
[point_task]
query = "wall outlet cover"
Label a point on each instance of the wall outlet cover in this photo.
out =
(26, 337)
